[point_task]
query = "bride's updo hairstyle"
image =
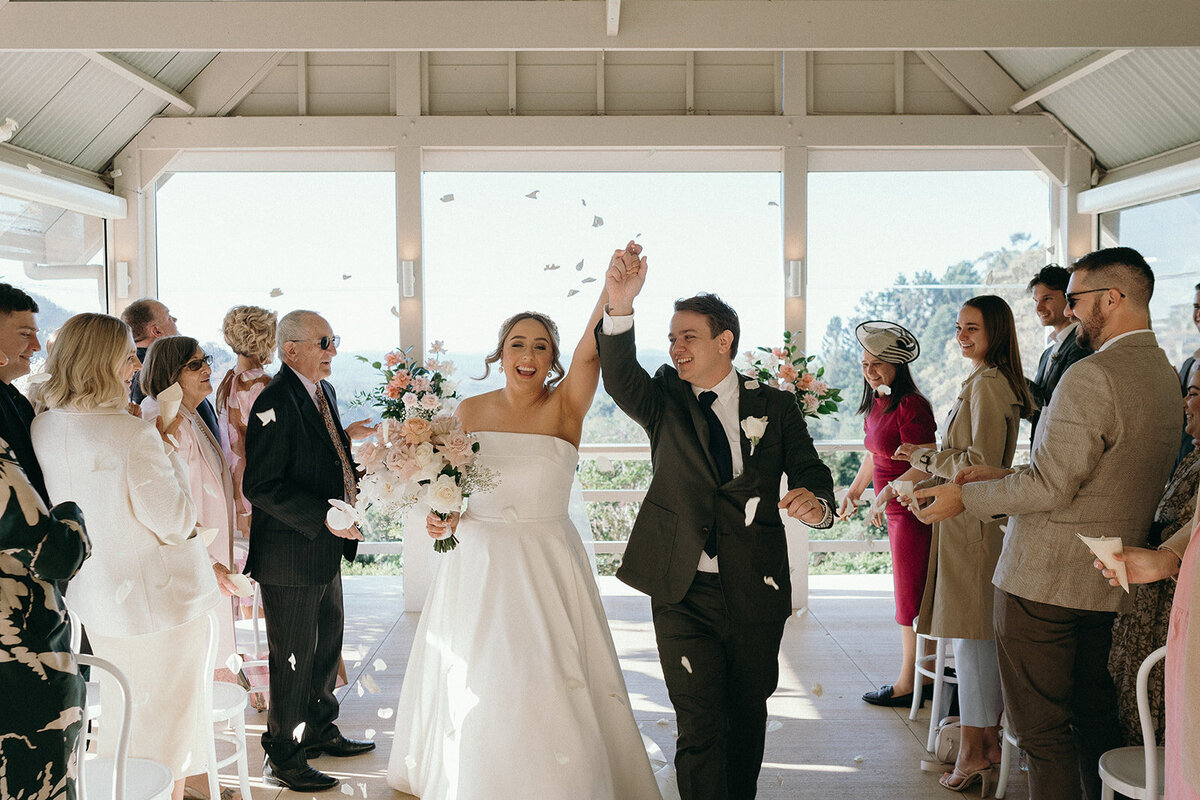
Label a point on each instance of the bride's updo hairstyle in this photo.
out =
(556, 368)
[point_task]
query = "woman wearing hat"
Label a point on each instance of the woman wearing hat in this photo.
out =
(896, 412)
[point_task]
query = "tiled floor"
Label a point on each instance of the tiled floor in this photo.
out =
(828, 744)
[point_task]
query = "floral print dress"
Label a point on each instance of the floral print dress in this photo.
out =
(43, 692)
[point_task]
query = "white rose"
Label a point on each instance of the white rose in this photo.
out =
(769, 361)
(430, 402)
(754, 427)
(443, 495)
(883, 390)
(429, 462)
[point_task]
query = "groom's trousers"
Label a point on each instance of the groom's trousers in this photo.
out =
(719, 674)
(304, 637)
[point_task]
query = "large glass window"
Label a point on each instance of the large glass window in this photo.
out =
(499, 243)
(1165, 233)
(56, 256)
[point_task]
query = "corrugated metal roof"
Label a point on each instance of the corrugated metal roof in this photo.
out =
(1139, 106)
(1031, 67)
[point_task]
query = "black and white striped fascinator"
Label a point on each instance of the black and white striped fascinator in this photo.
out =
(888, 341)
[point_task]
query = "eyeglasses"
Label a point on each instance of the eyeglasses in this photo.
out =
(196, 364)
(1073, 297)
(325, 342)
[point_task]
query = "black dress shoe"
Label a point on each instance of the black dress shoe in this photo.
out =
(338, 747)
(301, 778)
(883, 696)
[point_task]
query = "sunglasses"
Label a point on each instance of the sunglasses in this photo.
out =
(1073, 297)
(325, 342)
(196, 364)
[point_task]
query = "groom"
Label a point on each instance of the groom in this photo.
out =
(708, 544)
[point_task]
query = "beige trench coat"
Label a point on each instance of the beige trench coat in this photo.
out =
(981, 429)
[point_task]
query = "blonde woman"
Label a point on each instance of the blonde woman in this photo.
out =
(147, 594)
(250, 332)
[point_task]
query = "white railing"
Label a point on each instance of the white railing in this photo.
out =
(800, 546)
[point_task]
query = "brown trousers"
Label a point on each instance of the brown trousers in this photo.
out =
(1060, 698)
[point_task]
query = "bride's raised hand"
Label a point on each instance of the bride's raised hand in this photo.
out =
(625, 278)
(439, 528)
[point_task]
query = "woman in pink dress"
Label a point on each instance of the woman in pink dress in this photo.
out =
(250, 331)
(896, 412)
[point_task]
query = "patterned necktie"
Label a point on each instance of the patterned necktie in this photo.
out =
(718, 445)
(349, 484)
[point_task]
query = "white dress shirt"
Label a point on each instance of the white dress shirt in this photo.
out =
(1119, 337)
(1056, 338)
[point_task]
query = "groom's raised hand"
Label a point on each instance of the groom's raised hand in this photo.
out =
(625, 278)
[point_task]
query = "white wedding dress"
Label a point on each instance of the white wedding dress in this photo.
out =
(513, 688)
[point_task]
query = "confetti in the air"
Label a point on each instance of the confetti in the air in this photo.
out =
(686, 664)
(572, 293)
(234, 663)
(346, 277)
(583, 201)
(292, 661)
(379, 664)
(298, 733)
(818, 690)
(588, 279)
(385, 713)
(751, 507)
(579, 266)
(276, 292)
(123, 591)
(358, 687)
(551, 267)
(662, 721)
(597, 221)
(769, 581)
(533, 195)
(369, 683)
(772, 203)
(446, 198)
(266, 417)
(774, 725)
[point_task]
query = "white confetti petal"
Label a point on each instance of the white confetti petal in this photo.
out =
(597, 222)
(362, 787)
(858, 759)
(769, 581)
(574, 683)
(772, 203)
(818, 690)
(551, 267)
(774, 725)
(379, 665)
(266, 417)
(588, 280)
(347, 789)
(241, 584)
(358, 687)
(369, 683)
(410, 762)
(686, 664)
(234, 663)
(561, 758)
(572, 293)
(579, 266)
(298, 733)
(583, 201)
(276, 292)
(751, 508)
(446, 198)
(123, 591)
(346, 277)
(662, 721)
(292, 661)
(395, 312)
(385, 713)
(369, 733)
(533, 195)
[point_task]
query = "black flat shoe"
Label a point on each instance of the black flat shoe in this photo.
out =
(883, 696)
(338, 747)
(301, 778)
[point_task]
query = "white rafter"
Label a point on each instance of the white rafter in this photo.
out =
(140, 79)
(612, 10)
(491, 25)
(1066, 77)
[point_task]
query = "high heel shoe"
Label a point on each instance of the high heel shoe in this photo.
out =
(967, 780)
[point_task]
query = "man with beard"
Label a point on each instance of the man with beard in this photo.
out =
(1101, 455)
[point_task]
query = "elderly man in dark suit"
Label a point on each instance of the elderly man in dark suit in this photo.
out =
(708, 545)
(1049, 291)
(297, 459)
(1100, 458)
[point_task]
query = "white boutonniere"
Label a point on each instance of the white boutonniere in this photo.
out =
(751, 385)
(754, 427)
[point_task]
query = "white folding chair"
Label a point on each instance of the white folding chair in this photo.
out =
(250, 636)
(228, 703)
(1008, 748)
(119, 778)
(942, 657)
(1135, 771)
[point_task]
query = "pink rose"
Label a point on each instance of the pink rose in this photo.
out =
(410, 400)
(456, 449)
(392, 390)
(420, 385)
(788, 387)
(810, 404)
(445, 423)
(401, 462)
(370, 455)
(432, 364)
(805, 381)
(779, 352)
(430, 402)
(438, 346)
(820, 388)
(416, 430)
(392, 359)
(787, 372)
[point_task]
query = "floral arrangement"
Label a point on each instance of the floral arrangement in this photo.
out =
(420, 451)
(789, 369)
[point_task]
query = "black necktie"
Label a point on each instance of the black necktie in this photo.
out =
(718, 445)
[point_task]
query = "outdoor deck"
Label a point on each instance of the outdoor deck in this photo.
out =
(829, 744)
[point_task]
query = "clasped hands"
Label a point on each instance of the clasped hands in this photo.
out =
(625, 278)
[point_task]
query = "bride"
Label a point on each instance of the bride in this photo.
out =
(513, 688)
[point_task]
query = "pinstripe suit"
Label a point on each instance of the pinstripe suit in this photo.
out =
(292, 471)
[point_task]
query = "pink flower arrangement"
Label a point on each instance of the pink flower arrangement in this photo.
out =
(788, 369)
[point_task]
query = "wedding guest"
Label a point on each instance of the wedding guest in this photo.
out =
(1141, 631)
(980, 430)
(896, 412)
(179, 360)
(1179, 557)
(18, 343)
(149, 320)
(1049, 291)
(250, 332)
(37, 666)
(147, 594)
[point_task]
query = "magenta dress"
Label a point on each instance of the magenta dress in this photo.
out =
(912, 422)
(1176, 784)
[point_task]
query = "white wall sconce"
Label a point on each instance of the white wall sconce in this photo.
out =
(408, 280)
(796, 277)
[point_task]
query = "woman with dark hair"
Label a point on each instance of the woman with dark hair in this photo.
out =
(513, 687)
(896, 412)
(957, 603)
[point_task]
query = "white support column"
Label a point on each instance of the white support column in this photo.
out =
(1077, 232)
(794, 203)
(302, 84)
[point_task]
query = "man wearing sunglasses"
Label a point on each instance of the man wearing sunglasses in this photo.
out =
(297, 459)
(148, 319)
(1101, 455)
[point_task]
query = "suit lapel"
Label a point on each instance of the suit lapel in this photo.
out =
(308, 408)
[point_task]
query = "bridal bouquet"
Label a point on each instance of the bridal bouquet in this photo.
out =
(420, 452)
(789, 369)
